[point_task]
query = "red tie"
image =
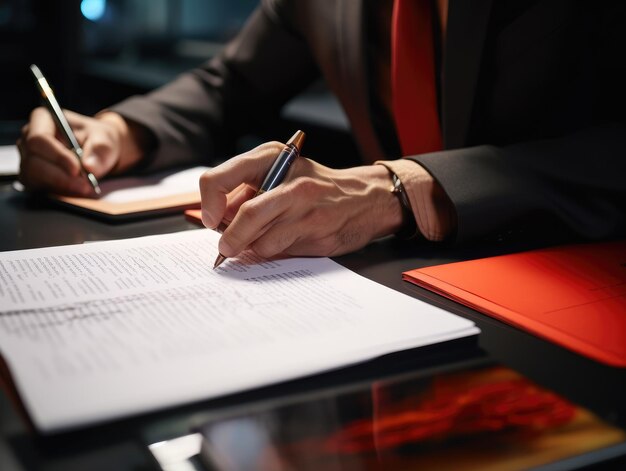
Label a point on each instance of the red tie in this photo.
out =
(413, 77)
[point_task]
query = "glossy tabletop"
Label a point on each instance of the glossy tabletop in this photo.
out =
(28, 221)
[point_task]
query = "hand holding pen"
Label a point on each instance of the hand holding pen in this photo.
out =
(277, 172)
(62, 124)
(49, 154)
(315, 211)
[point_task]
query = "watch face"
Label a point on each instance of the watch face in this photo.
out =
(398, 188)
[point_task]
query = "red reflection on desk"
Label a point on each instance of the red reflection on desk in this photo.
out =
(485, 418)
(453, 406)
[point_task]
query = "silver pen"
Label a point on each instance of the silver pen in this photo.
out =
(61, 121)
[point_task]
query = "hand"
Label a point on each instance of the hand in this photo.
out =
(47, 164)
(316, 211)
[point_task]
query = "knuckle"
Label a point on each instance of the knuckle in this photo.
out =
(207, 180)
(34, 140)
(39, 144)
(38, 111)
(271, 146)
(246, 159)
(306, 187)
(99, 145)
(248, 212)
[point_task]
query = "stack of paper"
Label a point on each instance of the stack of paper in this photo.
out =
(9, 161)
(99, 331)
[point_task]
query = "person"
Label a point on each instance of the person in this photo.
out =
(526, 128)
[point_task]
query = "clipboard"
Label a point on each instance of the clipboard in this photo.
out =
(572, 295)
(136, 197)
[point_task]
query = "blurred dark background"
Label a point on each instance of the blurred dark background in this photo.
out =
(97, 52)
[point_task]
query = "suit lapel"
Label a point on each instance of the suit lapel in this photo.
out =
(352, 55)
(466, 32)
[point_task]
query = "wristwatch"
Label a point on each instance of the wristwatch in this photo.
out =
(409, 228)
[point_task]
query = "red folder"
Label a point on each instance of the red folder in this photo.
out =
(572, 295)
(194, 215)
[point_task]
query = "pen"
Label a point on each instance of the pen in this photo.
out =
(61, 121)
(277, 173)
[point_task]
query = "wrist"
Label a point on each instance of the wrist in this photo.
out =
(408, 228)
(432, 210)
(129, 137)
(387, 214)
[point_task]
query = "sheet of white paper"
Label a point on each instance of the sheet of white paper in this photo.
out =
(9, 160)
(99, 331)
(159, 185)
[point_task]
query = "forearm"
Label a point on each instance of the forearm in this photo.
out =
(197, 117)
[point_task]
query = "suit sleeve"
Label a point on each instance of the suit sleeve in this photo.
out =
(197, 117)
(577, 182)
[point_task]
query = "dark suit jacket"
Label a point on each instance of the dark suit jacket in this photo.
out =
(533, 100)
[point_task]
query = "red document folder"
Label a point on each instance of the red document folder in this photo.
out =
(572, 295)
(194, 215)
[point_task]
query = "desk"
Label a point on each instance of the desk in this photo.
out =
(28, 223)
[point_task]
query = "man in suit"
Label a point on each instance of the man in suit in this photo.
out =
(526, 126)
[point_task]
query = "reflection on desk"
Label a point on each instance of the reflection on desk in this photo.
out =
(487, 417)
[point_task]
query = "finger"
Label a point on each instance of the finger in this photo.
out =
(41, 141)
(98, 155)
(255, 217)
(77, 121)
(277, 239)
(216, 183)
(235, 199)
(302, 230)
(81, 136)
(37, 173)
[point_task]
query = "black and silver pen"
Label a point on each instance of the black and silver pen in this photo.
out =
(61, 121)
(277, 172)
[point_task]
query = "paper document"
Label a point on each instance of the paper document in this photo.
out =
(9, 160)
(131, 189)
(175, 189)
(104, 330)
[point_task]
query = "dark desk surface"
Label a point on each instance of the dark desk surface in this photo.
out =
(26, 222)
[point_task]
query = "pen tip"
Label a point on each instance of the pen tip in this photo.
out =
(218, 261)
(94, 183)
